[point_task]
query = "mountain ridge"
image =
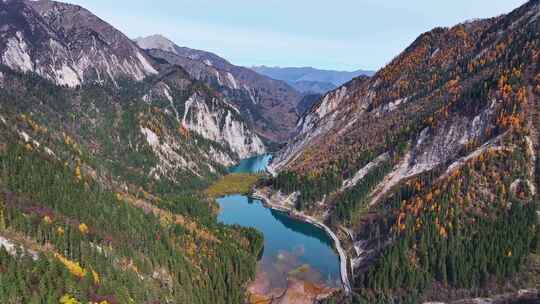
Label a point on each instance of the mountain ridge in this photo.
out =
(428, 171)
(104, 153)
(47, 39)
(268, 104)
(311, 80)
(392, 158)
(47, 25)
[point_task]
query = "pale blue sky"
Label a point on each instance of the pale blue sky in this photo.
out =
(338, 34)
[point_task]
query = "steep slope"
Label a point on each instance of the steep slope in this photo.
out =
(199, 109)
(67, 238)
(307, 102)
(103, 153)
(69, 46)
(267, 104)
(436, 150)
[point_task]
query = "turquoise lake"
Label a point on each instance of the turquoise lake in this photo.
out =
(290, 246)
(252, 165)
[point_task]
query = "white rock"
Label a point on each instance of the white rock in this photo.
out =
(16, 54)
(146, 65)
(232, 80)
(67, 76)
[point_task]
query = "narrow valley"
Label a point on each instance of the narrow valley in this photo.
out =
(372, 168)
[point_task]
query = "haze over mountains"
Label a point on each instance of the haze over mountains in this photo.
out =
(311, 80)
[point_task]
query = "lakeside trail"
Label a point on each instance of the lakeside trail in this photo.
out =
(285, 204)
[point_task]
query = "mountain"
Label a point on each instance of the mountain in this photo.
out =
(103, 153)
(307, 102)
(313, 87)
(311, 80)
(429, 169)
(71, 47)
(67, 45)
(267, 104)
(113, 97)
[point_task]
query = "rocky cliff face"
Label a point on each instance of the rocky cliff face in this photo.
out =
(267, 104)
(67, 45)
(209, 116)
(186, 126)
(398, 95)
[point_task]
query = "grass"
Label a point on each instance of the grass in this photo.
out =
(232, 184)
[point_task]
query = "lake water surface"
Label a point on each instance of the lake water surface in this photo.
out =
(291, 247)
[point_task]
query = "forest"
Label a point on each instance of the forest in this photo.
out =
(79, 243)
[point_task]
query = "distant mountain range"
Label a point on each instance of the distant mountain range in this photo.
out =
(311, 80)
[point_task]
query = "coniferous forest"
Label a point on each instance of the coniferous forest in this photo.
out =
(81, 242)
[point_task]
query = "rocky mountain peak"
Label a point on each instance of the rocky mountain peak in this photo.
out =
(269, 105)
(67, 44)
(158, 42)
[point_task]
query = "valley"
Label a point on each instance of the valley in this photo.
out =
(143, 171)
(297, 262)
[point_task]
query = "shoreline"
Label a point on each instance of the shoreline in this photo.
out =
(267, 202)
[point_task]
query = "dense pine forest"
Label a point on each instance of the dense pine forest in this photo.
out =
(75, 240)
(82, 218)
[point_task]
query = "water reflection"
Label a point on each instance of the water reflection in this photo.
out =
(301, 227)
(292, 248)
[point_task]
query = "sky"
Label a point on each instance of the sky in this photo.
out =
(338, 34)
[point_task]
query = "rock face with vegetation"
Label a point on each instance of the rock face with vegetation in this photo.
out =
(267, 104)
(67, 45)
(80, 78)
(430, 167)
(103, 153)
